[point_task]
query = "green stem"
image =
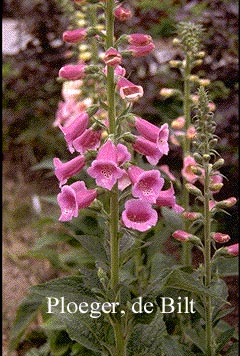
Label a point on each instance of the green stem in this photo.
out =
(114, 195)
(186, 249)
(94, 46)
(207, 261)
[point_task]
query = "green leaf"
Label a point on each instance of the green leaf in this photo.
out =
(41, 351)
(171, 347)
(94, 246)
(59, 342)
(160, 261)
(174, 221)
(226, 267)
(71, 288)
(197, 337)
(48, 253)
(146, 339)
(50, 240)
(224, 338)
(26, 312)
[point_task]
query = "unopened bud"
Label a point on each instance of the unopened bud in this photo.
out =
(178, 123)
(128, 137)
(219, 237)
(176, 41)
(198, 158)
(192, 216)
(167, 92)
(200, 54)
(195, 98)
(233, 250)
(91, 110)
(218, 164)
(227, 203)
(216, 187)
(194, 78)
(206, 158)
(204, 82)
(184, 236)
(196, 170)
(104, 134)
(85, 56)
(198, 62)
(175, 64)
(211, 106)
(193, 190)
(191, 132)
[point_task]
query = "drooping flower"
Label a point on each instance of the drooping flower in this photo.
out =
(148, 149)
(75, 129)
(105, 168)
(141, 51)
(139, 216)
(186, 171)
(122, 13)
(74, 36)
(112, 57)
(128, 90)
(74, 197)
(89, 139)
(158, 135)
(139, 39)
(63, 171)
(72, 71)
(146, 184)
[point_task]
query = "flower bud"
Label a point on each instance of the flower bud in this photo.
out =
(227, 203)
(184, 236)
(216, 187)
(167, 92)
(211, 106)
(122, 14)
(200, 54)
(218, 164)
(233, 250)
(194, 78)
(72, 71)
(219, 237)
(112, 57)
(197, 157)
(175, 64)
(198, 62)
(178, 123)
(74, 36)
(196, 170)
(139, 39)
(191, 132)
(206, 157)
(204, 82)
(193, 190)
(141, 51)
(176, 41)
(191, 215)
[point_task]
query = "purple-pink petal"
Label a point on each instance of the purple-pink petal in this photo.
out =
(63, 171)
(148, 186)
(166, 197)
(138, 215)
(107, 152)
(123, 155)
(90, 139)
(68, 204)
(148, 149)
(105, 172)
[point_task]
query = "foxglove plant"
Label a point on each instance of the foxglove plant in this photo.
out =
(115, 176)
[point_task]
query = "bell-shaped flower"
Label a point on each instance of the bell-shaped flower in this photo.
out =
(89, 140)
(167, 198)
(75, 129)
(112, 57)
(74, 197)
(187, 172)
(74, 36)
(138, 215)
(124, 181)
(141, 51)
(148, 149)
(66, 170)
(105, 168)
(122, 13)
(123, 155)
(220, 237)
(146, 184)
(119, 71)
(72, 71)
(139, 39)
(128, 90)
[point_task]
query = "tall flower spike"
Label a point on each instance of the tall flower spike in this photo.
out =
(139, 216)
(105, 168)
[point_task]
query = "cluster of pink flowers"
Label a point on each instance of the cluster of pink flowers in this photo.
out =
(112, 163)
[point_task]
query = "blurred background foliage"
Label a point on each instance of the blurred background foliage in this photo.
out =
(31, 92)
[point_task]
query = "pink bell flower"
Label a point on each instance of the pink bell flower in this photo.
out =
(141, 51)
(75, 129)
(119, 71)
(146, 184)
(112, 57)
(122, 14)
(123, 155)
(151, 132)
(148, 149)
(74, 197)
(233, 250)
(72, 71)
(128, 90)
(139, 216)
(187, 172)
(139, 39)
(166, 197)
(105, 168)
(63, 171)
(74, 36)
(89, 140)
